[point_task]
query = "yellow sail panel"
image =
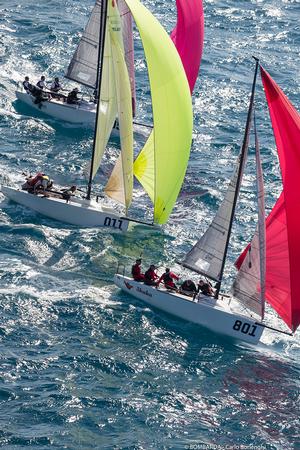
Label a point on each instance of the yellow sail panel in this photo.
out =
(172, 116)
(143, 167)
(108, 104)
(120, 184)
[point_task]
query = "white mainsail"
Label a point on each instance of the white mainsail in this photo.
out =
(206, 256)
(249, 284)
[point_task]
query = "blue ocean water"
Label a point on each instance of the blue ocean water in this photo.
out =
(83, 366)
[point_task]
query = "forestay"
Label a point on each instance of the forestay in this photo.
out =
(161, 165)
(249, 284)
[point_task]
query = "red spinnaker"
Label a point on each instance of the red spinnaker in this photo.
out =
(282, 225)
(188, 36)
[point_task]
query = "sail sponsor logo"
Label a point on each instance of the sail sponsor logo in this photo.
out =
(116, 27)
(204, 265)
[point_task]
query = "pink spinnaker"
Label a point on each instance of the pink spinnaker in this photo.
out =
(282, 225)
(188, 36)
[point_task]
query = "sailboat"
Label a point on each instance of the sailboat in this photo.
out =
(84, 68)
(268, 267)
(162, 163)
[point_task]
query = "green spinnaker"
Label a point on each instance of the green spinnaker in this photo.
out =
(161, 165)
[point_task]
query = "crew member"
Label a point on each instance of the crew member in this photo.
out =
(168, 278)
(42, 184)
(68, 193)
(32, 181)
(41, 83)
(188, 287)
(26, 85)
(205, 288)
(150, 276)
(73, 96)
(55, 86)
(136, 273)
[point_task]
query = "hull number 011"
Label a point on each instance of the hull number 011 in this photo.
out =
(245, 327)
(114, 223)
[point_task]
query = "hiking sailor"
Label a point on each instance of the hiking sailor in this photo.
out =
(136, 273)
(37, 182)
(41, 83)
(72, 97)
(68, 193)
(151, 276)
(205, 288)
(168, 278)
(188, 287)
(55, 86)
(26, 85)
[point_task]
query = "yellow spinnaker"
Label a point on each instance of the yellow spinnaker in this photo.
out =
(162, 163)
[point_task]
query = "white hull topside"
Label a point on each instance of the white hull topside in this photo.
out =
(78, 211)
(215, 315)
(82, 113)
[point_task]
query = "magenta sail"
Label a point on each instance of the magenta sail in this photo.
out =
(188, 36)
(283, 243)
(282, 225)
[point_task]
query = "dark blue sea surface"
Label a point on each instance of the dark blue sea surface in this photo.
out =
(82, 365)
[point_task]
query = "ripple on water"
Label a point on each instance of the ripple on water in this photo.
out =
(83, 365)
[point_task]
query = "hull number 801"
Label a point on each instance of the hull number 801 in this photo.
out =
(245, 327)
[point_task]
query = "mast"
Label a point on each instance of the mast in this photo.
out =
(102, 32)
(242, 158)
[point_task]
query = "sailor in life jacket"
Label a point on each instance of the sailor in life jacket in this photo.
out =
(37, 183)
(136, 272)
(26, 85)
(168, 278)
(41, 83)
(42, 184)
(55, 86)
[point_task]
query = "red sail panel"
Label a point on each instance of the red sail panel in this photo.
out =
(283, 241)
(188, 36)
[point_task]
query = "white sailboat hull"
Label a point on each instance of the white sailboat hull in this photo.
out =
(78, 211)
(212, 314)
(83, 113)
